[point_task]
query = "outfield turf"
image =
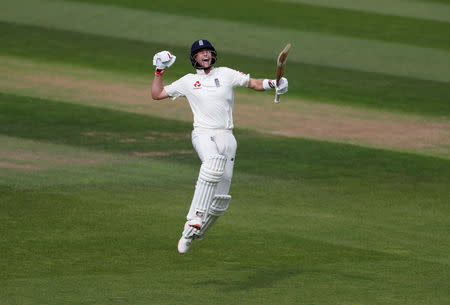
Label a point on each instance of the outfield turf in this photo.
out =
(95, 180)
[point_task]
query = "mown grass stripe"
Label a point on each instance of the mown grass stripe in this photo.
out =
(405, 8)
(65, 123)
(126, 92)
(305, 17)
(313, 48)
(341, 86)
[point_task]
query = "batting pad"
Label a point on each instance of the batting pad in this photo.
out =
(218, 207)
(190, 232)
(211, 173)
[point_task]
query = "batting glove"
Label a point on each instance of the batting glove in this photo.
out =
(163, 59)
(282, 87)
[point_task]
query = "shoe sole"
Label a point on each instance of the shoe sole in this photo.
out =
(178, 247)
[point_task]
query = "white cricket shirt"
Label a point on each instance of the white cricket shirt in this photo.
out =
(211, 96)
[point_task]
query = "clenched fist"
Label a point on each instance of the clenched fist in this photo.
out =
(163, 59)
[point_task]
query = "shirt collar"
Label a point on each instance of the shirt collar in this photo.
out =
(202, 72)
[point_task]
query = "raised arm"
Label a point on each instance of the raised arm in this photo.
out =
(260, 84)
(256, 84)
(158, 92)
(161, 60)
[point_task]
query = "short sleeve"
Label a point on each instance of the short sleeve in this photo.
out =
(238, 79)
(175, 89)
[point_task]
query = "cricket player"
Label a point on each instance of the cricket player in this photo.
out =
(210, 92)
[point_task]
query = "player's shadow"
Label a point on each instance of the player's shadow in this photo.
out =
(268, 277)
(262, 278)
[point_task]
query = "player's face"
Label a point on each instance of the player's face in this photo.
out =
(204, 57)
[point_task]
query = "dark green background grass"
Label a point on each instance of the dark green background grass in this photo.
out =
(64, 123)
(310, 222)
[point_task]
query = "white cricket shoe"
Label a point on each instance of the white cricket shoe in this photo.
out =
(184, 244)
(191, 230)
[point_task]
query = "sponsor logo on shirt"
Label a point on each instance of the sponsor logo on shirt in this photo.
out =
(197, 85)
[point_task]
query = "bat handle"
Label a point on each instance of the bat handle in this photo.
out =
(277, 98)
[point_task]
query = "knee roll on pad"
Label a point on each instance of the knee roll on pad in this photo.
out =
(212, 169)
(211, 173)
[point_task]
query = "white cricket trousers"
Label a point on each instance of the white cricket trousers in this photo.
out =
(209, 142)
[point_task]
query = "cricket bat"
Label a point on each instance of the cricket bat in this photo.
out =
(281, 66)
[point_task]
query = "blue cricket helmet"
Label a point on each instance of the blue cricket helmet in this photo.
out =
(200, 45)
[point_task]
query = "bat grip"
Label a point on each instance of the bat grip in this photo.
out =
(277, 98)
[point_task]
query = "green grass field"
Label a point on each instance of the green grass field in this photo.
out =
(96, 178)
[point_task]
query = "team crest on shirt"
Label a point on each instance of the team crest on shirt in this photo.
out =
(197, 85)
